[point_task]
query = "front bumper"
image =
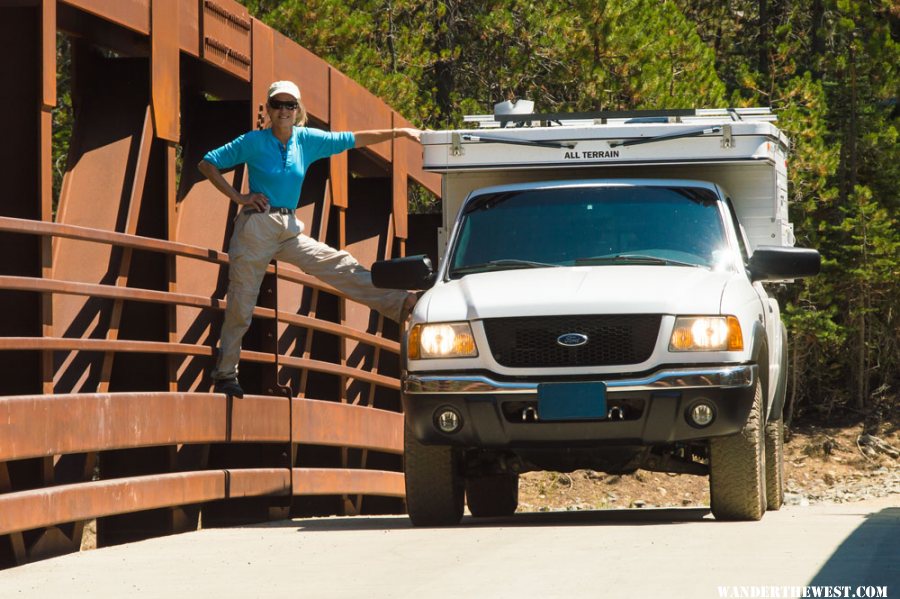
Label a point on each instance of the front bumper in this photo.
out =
(652, 409)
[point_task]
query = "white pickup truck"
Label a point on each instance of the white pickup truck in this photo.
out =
(600, 304)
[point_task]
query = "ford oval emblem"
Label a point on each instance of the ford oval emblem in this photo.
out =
(572, 339)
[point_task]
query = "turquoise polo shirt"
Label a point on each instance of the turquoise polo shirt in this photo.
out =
(277, 170)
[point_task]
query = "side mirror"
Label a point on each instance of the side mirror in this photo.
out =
(778, 263)
(412, 272)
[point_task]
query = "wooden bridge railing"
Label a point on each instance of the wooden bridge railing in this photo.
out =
(46, 431)
(112, 283)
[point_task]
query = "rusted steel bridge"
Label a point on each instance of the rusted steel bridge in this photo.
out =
(111, 295)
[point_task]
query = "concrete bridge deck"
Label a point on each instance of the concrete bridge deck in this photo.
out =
(614, 553)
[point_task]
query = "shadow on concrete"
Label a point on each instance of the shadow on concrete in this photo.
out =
(632, 517)
(870, 556)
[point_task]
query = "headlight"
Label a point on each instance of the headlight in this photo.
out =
(443, 340)
(706, 333)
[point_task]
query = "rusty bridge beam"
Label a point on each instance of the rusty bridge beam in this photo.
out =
(26, 510)
(184, 299)
(88, 422)
(341, 481)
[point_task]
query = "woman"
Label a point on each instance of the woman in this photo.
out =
(265, 228)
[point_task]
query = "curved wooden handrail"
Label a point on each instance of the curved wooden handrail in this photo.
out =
(183, 299)
(110, 292)
(186, 349)
(109, 345)
(145, 419)
(38, 508)
(35, 227)
(338, 481)
(317, 422)
(327, 367)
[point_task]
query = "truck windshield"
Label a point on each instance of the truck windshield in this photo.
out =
(540, 228)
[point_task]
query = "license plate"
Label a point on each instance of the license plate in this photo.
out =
(571, 401)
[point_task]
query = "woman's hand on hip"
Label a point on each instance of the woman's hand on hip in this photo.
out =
(257, 201)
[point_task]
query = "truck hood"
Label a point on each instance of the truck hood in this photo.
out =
(625, 289)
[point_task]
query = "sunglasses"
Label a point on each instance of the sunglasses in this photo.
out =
(289, 104)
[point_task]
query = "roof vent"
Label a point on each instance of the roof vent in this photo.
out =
(517, 107)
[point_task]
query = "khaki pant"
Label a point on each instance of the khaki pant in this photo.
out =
(260, 237)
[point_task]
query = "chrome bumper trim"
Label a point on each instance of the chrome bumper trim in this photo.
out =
(726, 377)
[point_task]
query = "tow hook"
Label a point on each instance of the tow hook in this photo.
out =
(616, 413)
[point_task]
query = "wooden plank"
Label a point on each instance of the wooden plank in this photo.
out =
(338, 172)
(257, 482)
(34, 426)
(263, 69)
(162, 347)
(184, 299)
(317, 422)
(46, 243)
(399, 182)
(225, 30)
(131, 223)
(132, 14)
(103, 345)
(20, 225)
(326, 326)
(79, 423)
(52, 343)
(110, 292)
(164, 69)
(171, 262)
(189, 27)
(363, 110)
(430, 181)
(311, 74)
(338, 481)
(48, 52)
(339, 370)
(38, 508)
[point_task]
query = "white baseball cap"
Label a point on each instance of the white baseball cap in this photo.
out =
(284, 87)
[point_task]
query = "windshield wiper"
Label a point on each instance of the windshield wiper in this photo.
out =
(504, 264)
(631, 259)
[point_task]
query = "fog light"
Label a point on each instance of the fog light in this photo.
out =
(702, 414)
(448, 420)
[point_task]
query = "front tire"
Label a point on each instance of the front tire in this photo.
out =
(737, 469)
(434, 488)
(492, 496)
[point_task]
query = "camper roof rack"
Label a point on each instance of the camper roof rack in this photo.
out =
(569, 119)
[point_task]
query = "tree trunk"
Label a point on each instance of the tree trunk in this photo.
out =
(762, 40)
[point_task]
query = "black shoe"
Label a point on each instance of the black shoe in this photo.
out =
(229, 387)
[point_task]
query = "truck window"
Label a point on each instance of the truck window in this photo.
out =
(567, 226)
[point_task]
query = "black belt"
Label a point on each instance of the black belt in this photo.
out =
(270, 210)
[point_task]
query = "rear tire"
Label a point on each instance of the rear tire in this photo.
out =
(493, 496)
(775, 464)
(434, 488)
(737, 469)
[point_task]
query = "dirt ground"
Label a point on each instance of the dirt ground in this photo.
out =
(821, 465)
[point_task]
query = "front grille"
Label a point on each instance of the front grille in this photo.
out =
(531, 342)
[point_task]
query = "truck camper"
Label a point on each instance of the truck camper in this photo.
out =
(600, 302)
